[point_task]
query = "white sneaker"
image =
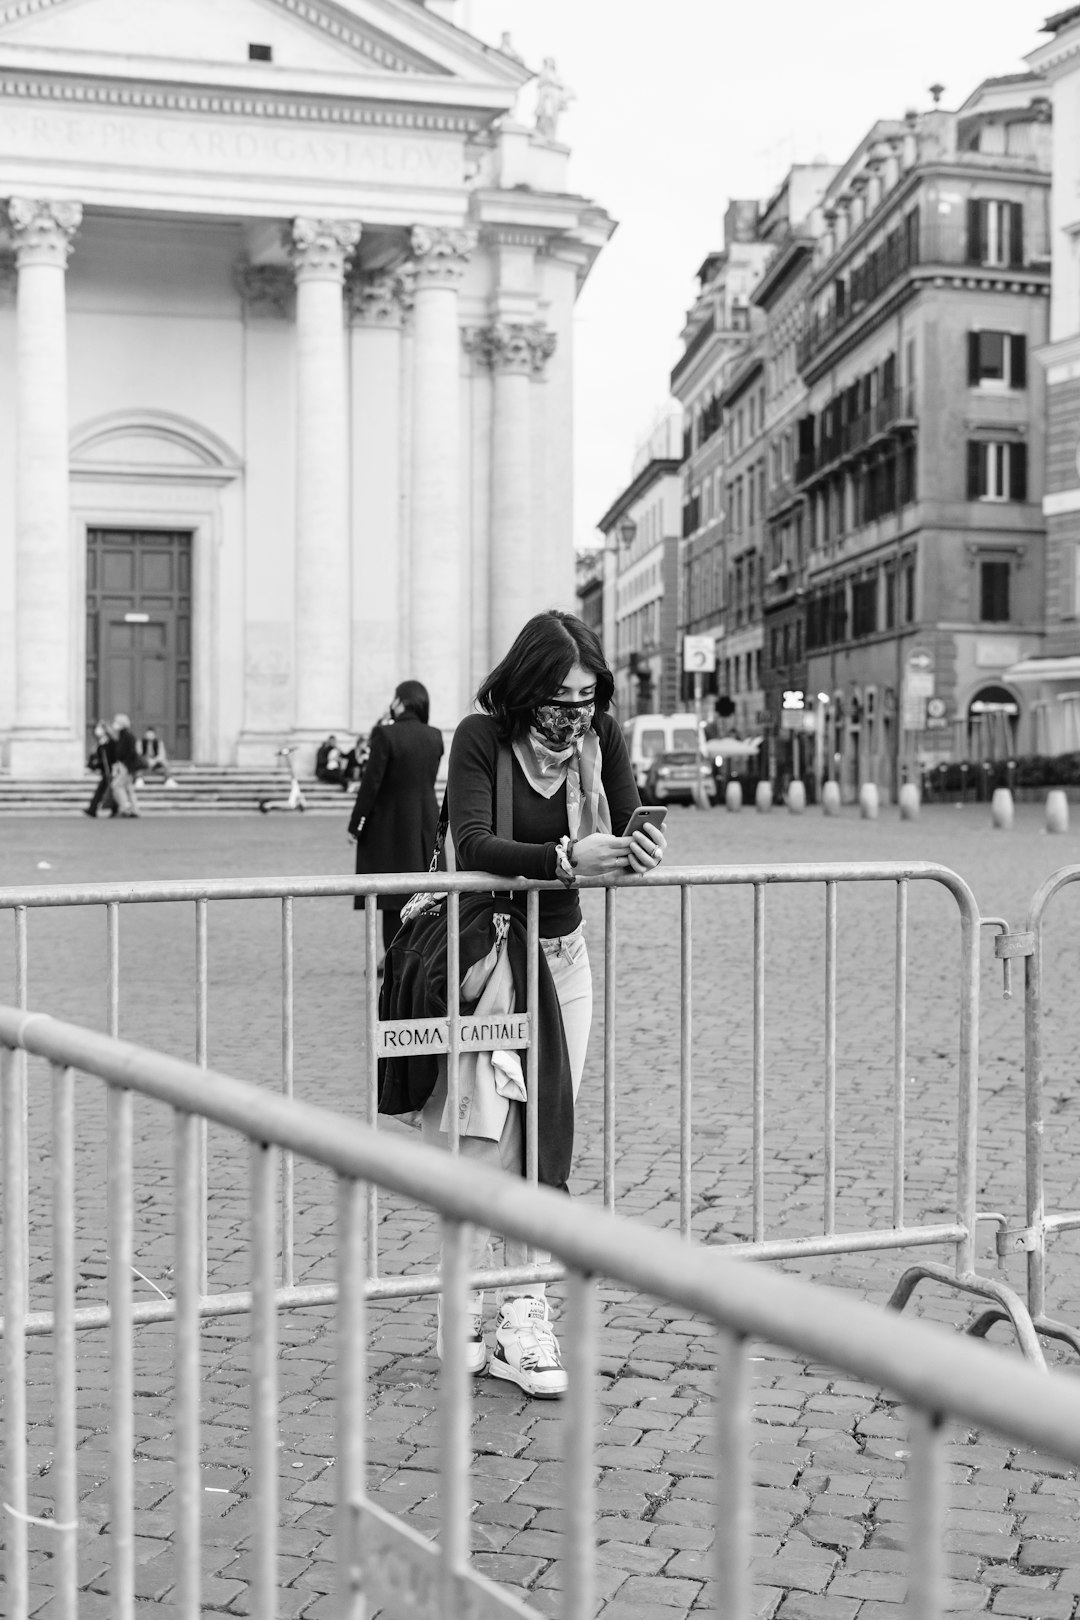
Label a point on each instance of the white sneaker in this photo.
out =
(476, 1356)
(526, 1350)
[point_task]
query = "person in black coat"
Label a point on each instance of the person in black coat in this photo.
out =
(396, 813)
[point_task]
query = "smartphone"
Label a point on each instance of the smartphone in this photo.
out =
(656, 813)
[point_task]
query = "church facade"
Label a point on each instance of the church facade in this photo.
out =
(286, 363)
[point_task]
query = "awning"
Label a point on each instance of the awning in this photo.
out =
(1044, 669)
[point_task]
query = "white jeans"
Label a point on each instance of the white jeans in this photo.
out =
(568, 962)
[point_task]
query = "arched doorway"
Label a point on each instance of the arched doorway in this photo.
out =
(993, 718)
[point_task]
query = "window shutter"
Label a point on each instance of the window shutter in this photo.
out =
(974, 370)
(1018, 361)
(976, 469)
(1016, 234)
(1018, 472)
(976, 233)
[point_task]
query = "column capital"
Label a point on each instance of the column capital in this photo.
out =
(375, 300)
(43, 231)
(266, 289)
(322, 247)
(440, 255)
(511, 346)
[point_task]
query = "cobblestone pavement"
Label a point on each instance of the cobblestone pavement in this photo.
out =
(829, 1453)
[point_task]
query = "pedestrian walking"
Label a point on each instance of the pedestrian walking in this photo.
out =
(396, 812)
(126, 767)
(573, 792)
(101, 760)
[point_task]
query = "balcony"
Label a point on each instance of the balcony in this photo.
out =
(930, 245)
(893, 413)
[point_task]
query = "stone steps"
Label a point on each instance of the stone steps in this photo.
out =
(199, 790)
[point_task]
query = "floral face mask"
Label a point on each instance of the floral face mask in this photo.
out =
(561, 724)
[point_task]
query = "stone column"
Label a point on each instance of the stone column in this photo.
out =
(515, 352)
(375, 313)
(44, 741)
(321, 248)
(440, 631)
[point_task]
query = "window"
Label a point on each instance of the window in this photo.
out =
(994, 591)
(909, 593)
(997, 360)
(864, 594)
(260, 53)
(996, 471)
(890, 598)
(995, 233)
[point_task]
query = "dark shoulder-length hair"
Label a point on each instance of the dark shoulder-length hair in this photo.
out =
(413, 697)
(545, 650)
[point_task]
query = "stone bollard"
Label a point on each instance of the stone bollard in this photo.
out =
(868, 801)
(909, 802)
(1001, 808)
(1057, 811)
(763, 796)
(796, 797)
(830, 799)
(733, 795)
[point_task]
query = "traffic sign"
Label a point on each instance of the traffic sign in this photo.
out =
(699, 654)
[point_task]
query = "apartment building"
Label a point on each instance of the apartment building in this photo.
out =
(642, 540)
(920, 454)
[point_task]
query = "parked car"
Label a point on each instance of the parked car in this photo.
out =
(675, 775)
(648, 735)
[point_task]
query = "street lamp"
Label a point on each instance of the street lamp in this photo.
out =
(627, 531)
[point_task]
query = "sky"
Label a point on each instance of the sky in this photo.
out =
(680, 106)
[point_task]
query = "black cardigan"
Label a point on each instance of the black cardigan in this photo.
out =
(539, 823)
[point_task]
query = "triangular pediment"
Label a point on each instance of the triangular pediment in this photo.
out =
(303, 37)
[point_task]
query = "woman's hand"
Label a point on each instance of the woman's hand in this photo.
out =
(600, 854)
(647, 848)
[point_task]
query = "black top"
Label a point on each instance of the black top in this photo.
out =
(539, 823)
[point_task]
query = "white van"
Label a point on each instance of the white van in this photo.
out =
(650, 734)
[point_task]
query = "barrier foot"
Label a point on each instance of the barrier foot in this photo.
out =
(1044, 1326)
(1010, 1307)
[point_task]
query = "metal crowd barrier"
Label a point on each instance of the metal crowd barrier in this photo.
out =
(381, 1562)
(901, 1232)
(1040, 1226)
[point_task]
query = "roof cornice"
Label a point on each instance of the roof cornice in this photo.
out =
(650, 474)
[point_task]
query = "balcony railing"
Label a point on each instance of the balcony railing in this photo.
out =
(894, 410)
(931, 244)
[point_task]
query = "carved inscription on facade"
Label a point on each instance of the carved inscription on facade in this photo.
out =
(142, 141)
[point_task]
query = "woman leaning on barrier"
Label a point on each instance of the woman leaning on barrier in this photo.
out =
(573, 792)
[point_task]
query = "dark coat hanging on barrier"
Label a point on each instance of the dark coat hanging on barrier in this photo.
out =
(396, 811)
(415, 987)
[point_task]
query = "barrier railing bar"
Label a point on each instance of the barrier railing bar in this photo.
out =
(264, 1397)
(995, 1391)
(759, 1063)
(311, 888)
(455, 1456)
(65, 1485)
(351, 1392)
(733, 1442)
(829, 1194)
(371, 1077)
(20, 1081)
(17, 1591)
(453, 1003)
(900, 1054)
(202, 998)
(579, 1427)
(929, 1500)
(968, 1106)
(288, 1178)
(188, 1326)
(532, 1063)
(609, 1049)
(121, 1350)
(112, 955)
(686, 1049)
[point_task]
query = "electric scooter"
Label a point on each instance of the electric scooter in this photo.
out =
(296, 800)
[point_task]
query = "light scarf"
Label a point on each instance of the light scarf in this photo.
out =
(580, 766)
